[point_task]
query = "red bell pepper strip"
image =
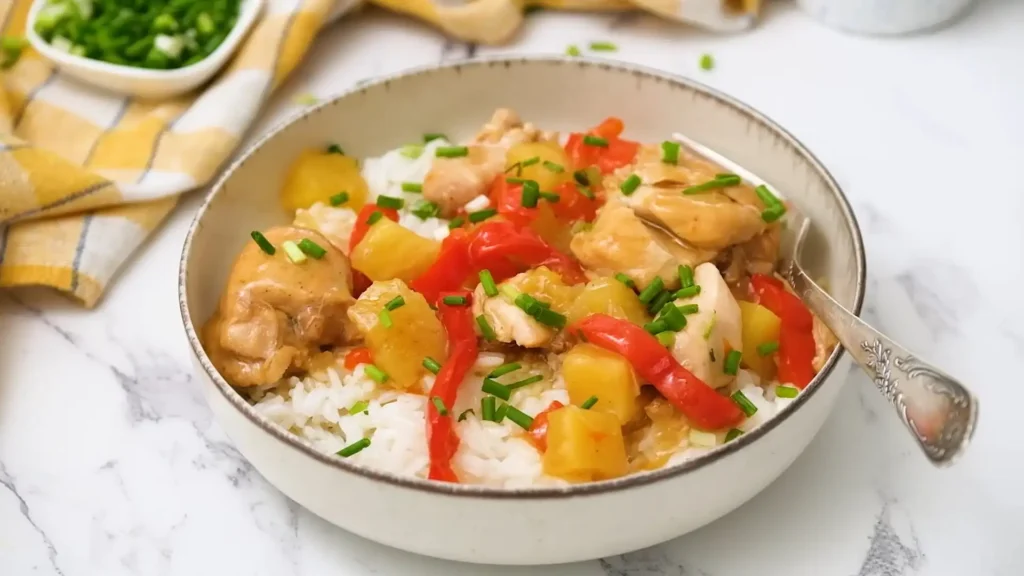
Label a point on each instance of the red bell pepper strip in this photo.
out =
(358, 356)
(442, 442)
(571, 206)
(363, 222)
(539, 429)
(705, 408)
(796, 336)
(616, 154)
(449, 271)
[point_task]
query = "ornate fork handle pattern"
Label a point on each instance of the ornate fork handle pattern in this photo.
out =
(939, 411)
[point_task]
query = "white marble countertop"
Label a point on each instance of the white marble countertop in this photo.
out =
(110, 463)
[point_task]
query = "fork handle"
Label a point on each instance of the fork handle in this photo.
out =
(937, 410)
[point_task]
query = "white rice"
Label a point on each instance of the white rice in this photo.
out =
(384, 177)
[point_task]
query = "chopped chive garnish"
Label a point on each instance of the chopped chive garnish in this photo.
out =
(294, 253)
(454, 300)
(529, 162)
(581, 177)
(526, 303)
(335, 149)
(732, 362)
(509, 291)
(550, 196)
(500, 413)
(688, 292)
(711, 326)
(456, 222)
(591, 140)
(587, 192)
(262, 242)
(525, 382)
(625, 280)
(733, 434)
(487, 408)
(766, 196)
(511, 180)
(481, 215)
(670, 152)
(485, 328)
(496, 388)
(385, 319)
(744, 403)
(786, 391)
(685, 276)
(710, 185)
(504, 369)
(354, 448)
(721, 175)
(395, 303)
(339, 199)
(553, 167)
(603, 47)
(531, 193)
(659, 302)
(431, 364)
(707, 62)
(767, 348)
(519, 417)
(374, 218)
(773, 213)
(667, 339)
(358, 407)
(312, 249)
(442, 410)
(629, 185)
(426, 209)
(652, 290)
(390, 202)
(673, 317)
(551, 318)
(433, 136)
(465, 414)
(376, 374)
(490, 288)
(573, 50)
(689, 308)
(412, 187)
(412, 151)
(589, 403)
(451, 151)
(656, 327)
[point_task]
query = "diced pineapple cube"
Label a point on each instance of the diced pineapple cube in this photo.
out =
(760, 326)
(318, 175)
(538, 171)
(591, 371)
(609, 296)
(584, 445)
(390, 251)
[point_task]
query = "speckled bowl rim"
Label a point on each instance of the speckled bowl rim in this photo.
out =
(477, 491)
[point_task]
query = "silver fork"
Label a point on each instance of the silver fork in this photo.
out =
(940, 412)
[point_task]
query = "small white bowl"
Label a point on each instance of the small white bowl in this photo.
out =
(144, 82)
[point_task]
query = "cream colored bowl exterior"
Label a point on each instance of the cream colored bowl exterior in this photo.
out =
(536, 526)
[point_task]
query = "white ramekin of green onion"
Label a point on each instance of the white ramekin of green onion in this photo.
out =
(147, 48)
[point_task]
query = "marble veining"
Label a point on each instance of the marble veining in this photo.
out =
(112, 465)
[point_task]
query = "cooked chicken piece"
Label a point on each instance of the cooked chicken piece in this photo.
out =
(758, 255)
(275, 315)
(335, 224)
(510, 323)
(452, 182)
(506, 128)
(620, 242)
(712, 331)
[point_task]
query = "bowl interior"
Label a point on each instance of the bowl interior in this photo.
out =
(553, 93)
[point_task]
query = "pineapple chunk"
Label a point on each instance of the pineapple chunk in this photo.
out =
(546, 286)
(584, 445)
(390, 251)
(592, 371)
(545, 151)
(415, 332)
(609, 296)
(316, 176)
(760, 326)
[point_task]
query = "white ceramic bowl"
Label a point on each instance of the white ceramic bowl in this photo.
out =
(885, 17)
(144, 82)
(537, 526)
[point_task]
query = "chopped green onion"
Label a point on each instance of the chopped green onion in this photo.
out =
(703, 439)
(766, 196)
(412, 151)
(395, 303)
(312, 249)
(531, 193)
(625, 280)
(481, 215)
(527, 303)
(504, 369)
(589, 403)
(522, 419)
(786, 391)
(511, 180)
(656, 327)
(689, 308)
(587, 192)
(629, 185)
(433, 136)
(745, 404)
(667, 339)
(767, 348)
(454, 300)
(390, 202)
(500, 413)
(465, 414)
(426, 209)
(553, 167)
(414, 187)
(385, 319)
(11, 48)
(732, 362)
(335, 149)
(572, 50)
(733, 434)
(529, 162)
(707, 62)
(774, 213)
(688, 292)
(711, 326)
(551, 318)
(550, 196)
(685, 276)
(487, 281)
(263, 243)
(710, 185)
(659, 302)
(603, 47)
(376, 374)
(305, 99)
(670, 152)
(673, 317)
(293, 252)
(354, 448)
(374, 218)
(442, 410)
(358, 407)
(485, 328)
(591, 140)
(339, 199)
(433, 365)
(509, 291)
(451, 151)
(581, 177)
(456, 222)
(525, 382)
(652, 290)
(487, 407)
